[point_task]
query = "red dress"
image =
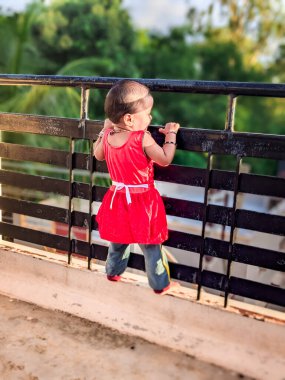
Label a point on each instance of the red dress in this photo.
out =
(131, 214)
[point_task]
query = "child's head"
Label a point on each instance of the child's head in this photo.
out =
(127, 97)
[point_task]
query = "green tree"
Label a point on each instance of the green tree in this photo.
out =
(69, 30)
(72, 37)
(64, 38)
(256, 26)
(18, 53)
(227, 41)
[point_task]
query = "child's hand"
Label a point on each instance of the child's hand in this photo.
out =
(107, 124)
(169, 127)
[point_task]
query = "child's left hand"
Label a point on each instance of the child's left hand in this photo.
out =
(169, 127)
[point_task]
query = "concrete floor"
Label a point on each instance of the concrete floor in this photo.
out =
(39, 344)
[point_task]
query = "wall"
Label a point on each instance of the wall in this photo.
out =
(242, 337)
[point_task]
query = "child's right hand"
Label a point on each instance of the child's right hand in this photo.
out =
(169, 127)
(107, 124)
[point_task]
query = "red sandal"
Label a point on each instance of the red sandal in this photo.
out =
(170, 286)
(114, 278)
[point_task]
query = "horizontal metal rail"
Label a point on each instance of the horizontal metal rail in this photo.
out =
(161, 85)
(190, 139)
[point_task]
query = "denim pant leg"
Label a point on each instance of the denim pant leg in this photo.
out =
(156, 266)
(117, 260)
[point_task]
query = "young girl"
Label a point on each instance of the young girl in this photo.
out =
(132, 210)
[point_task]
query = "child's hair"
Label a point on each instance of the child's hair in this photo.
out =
(126, 96)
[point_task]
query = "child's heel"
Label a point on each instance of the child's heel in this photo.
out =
(114, 278)
(172, 285)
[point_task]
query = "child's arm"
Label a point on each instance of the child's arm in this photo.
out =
(98, 145)
(162, 155)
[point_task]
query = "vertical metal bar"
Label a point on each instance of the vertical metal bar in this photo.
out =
(199, 279)
(90, 203)
(84, 102)
(229, 126)
(226, 198)
(233, 224)
(83, 116)
(85, 92)
(0, 183)
(5, 216)
(70, 195)
(230, 118)
(84, 109)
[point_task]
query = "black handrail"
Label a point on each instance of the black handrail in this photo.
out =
(162, 85)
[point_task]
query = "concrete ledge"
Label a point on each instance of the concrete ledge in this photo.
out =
(252, 346)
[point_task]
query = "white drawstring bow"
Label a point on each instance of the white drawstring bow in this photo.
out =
(120, 186)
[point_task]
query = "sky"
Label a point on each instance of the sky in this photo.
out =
(156, 15)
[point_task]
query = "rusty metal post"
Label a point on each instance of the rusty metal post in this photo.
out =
(204, 222)
(85, 92)
(233, 226)
(70, 196)
(82, 124)
(84, 109)
(90, 202)
(230, 118)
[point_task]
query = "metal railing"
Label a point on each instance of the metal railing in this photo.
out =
(208, 142)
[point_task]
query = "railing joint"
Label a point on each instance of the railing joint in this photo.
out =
(82, 126)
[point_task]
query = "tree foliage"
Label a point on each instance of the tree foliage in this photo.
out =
(74, 29)
(228, 40)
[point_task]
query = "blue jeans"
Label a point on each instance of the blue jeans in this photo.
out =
(156, 264)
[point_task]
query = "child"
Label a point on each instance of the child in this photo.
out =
(132, 210)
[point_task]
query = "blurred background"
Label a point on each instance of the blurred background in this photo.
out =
(220, 40)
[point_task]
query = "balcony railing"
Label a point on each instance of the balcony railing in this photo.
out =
(78, 226)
